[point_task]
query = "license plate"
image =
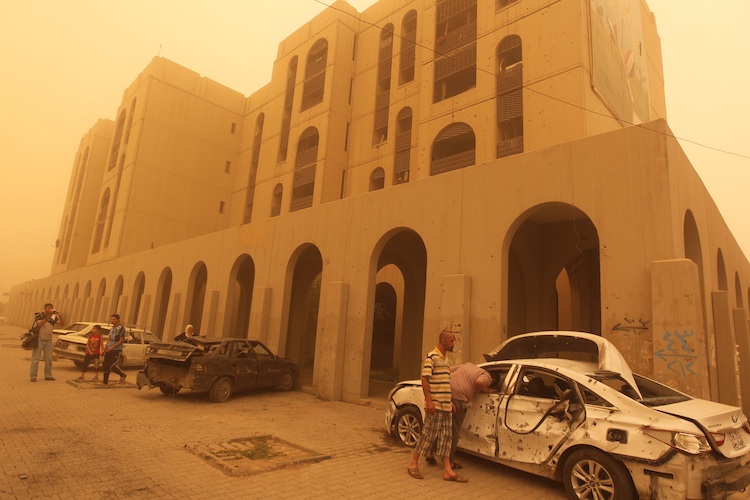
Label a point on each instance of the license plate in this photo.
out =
(736, 438)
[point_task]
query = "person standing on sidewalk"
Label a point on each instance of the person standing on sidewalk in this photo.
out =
(93, 349)
(436, 385)
(113, 350)
(45, 322)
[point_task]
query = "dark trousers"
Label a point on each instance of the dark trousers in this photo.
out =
(110, 364)
(458, 421)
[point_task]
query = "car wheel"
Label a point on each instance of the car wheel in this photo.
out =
(78, 364)
(169, 391)
(592, 474)
(287, 381)
(408, 422)
(221, 391)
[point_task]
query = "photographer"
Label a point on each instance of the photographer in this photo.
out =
(45, 323)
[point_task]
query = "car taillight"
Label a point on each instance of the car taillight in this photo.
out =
(718, 437)
(196, 367)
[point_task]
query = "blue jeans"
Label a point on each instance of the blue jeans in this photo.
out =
(45, 346)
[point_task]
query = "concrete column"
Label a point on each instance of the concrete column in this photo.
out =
(210, 308)
(122, 306)
(145, 311)
(103, 313)
(171, 326)
(259, 314)
(679, 338)
(742, 334)
(455, 306)
(726, 350)
(328, 372)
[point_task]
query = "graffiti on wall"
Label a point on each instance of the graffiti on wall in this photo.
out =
(631, 325)
(677, 354)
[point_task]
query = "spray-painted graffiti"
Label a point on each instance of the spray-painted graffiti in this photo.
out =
(631, 325)
(677, 354)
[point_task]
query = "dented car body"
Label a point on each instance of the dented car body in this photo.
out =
(219, 365)
(568, 407)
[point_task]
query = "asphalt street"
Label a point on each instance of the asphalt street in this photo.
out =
(64, 440)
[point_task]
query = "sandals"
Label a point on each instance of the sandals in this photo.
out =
(122, 379)
(457, 479)
(414, 473)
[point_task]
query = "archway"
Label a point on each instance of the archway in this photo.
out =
(163, 290)
(196, 296)
(240, 297)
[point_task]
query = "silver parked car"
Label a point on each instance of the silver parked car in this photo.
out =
(569, 408)
(72, 346)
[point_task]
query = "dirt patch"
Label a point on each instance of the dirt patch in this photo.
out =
(254, 455)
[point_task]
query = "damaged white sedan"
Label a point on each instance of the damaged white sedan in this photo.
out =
(569, 408)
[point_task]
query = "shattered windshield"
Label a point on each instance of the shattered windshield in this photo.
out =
(654, 393)
(548, 346)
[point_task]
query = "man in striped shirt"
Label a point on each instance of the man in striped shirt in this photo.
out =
(436, 385)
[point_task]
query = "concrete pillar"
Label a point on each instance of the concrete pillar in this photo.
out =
(455, 306)
(171, 326)
(210, 308)
(726, 350)
(122, 306)
(102, 315)
(742, 334)
(145, 311)
(679, 338)
(328, 372)
(259, 314)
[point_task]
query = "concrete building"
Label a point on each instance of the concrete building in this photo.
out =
(495, 167)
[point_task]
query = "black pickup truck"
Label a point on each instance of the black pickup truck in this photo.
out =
(219, 365)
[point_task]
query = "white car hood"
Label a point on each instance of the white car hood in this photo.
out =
(575, 346)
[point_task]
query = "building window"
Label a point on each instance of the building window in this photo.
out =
(383, 86)
(114, 152)
(304, 170)
(377, 179)
(501, 4)
(509, 96)
(315, 74)
(234, 127)
(346, 137)
(227, 167)
(278, 191)
(257, 140)
(454, 148)
(408, 48)
(286, 115)
(402, 156)
(455, 48)
(221, 207)
(100, 220)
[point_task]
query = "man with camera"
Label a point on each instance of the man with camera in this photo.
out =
(44, 322)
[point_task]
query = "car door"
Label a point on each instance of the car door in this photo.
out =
(244, 365)
(478, 433)
(531, 428)
(269, 373)
(133, 349)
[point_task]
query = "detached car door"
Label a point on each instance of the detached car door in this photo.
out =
(536, 416)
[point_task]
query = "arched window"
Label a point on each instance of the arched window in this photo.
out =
(114, 153)
(383, 86)
(402, 157)
(455, 48)
(100, 220)
(315, 74)
(304, 170)
(286, 117)
(377, 179)
(408, 48)
(454, 148)
(509, 96)
(257, 139)
(278, 192)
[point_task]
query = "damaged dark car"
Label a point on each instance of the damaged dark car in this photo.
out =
(220, 365)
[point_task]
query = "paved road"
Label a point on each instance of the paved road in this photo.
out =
(59, 440)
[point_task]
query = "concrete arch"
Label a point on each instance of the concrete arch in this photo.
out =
(139, 288)
(161, 303)
(97, 314)
(240, 297)
(302, 290)
(551, 260)
(196, 297)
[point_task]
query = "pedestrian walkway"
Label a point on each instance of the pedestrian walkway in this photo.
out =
(61, 441)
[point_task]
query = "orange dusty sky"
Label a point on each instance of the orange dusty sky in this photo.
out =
(66, 63)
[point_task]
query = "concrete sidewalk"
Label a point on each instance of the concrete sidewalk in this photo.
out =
(61, 440)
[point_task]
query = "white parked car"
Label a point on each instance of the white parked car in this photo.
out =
(72, 346)
(569, 408)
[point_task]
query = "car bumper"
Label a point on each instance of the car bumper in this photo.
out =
(72, 354)
(390, 413)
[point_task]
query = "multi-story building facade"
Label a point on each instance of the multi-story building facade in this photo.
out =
(497, 167)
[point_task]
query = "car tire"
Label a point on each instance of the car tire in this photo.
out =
(221, 390)
(408, 425)
(590, 473)
(79, 364)
(287, 381)
(169, 391)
